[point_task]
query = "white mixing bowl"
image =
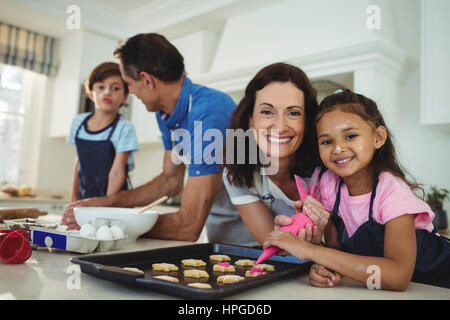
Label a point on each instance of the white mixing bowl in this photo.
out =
(134, 224)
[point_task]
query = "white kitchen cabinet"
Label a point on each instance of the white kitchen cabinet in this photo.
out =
(435, 65)
(144, 122)
(79, 54)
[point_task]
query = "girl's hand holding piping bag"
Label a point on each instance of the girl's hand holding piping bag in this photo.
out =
(315, 211)
(319, 276)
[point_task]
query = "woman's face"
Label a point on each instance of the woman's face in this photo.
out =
(279, 118)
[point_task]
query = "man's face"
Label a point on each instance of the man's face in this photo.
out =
(142, 89)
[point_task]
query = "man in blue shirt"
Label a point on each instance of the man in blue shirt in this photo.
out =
(193, 121)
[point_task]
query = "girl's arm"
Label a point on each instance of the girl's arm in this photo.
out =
(396, 266)
(75, 185)
(117, 175)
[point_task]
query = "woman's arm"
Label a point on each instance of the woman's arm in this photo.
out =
(396, 266)
(75, 184)
(258, 219)
(117, 175)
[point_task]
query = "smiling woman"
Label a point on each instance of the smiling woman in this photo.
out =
(279, 106)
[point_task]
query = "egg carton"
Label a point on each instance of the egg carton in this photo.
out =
(72, 241)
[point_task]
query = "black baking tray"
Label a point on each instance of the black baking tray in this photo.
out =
(109, 266)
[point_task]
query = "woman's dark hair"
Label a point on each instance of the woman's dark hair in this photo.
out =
(385, 158)
(151, 53)
(306, 156)
(101, 72)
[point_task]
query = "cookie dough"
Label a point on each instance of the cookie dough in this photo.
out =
(230, 278)
(194, 273)
(193, 262)
(167, 278)
(135, 270)
(266, 267)
(245, 263)
(223, 267)
(258, 273)
(219, 257)
(164, 267)
(200, 285)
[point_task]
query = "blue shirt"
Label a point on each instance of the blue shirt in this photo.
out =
(123, 138)
(201, 117)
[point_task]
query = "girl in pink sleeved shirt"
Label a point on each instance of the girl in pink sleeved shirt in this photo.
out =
(394, 198)
(379, 232)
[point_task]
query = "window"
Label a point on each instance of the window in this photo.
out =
(12, 114)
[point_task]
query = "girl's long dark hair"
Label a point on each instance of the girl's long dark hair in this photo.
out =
(306, 156)
(385, 158)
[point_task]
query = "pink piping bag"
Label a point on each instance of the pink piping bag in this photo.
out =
(299, 220)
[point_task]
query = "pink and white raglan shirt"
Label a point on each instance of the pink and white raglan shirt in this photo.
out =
(394, 198)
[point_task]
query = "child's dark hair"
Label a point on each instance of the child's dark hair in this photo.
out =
(385, 158)
(101, 72)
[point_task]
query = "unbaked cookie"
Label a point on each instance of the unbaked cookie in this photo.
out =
(194, 273)
(167, 278)
(200, 285)
(219, 257)
(193, 262)
(258, 273)
(164, 267)
(245, 263)
(135, 270)
(230, 278)
(266, 267)
(223, 267)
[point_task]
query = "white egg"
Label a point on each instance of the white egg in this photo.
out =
(104, 233)
(117, 232)
(87, 230)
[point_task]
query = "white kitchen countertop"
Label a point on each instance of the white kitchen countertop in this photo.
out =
(49, 275)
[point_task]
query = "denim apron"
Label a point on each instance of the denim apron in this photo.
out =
(433, 252)
(95, 160)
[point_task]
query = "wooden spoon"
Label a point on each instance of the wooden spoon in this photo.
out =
(153, 204)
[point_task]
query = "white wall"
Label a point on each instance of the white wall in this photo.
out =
(291, 29)
(286, 30)
(294, 28)
(424, 149)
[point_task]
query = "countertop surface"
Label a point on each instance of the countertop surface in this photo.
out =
(52, 276)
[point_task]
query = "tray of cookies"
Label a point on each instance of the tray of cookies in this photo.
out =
(199, 271)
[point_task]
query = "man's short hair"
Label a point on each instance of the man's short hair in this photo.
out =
(151, 53)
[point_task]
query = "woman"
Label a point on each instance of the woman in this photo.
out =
(279, 105)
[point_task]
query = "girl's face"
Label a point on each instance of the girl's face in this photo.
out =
(347, 142)
(279, 118)
(109, 94)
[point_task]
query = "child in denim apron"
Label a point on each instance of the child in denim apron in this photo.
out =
(103, 140)
(380, 233)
